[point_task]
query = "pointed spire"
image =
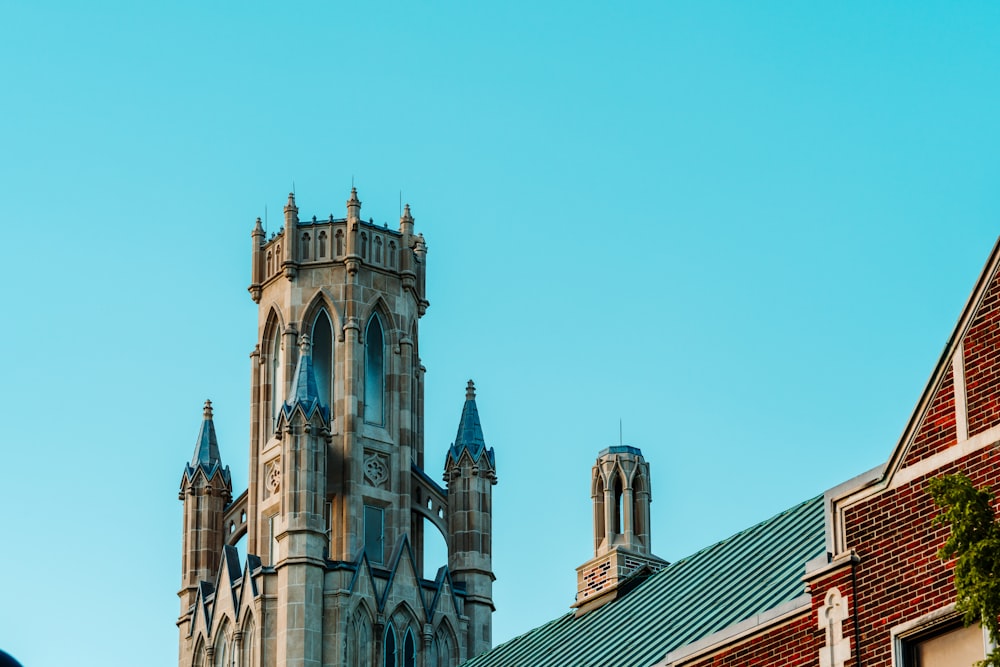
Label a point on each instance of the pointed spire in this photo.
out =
(305, 391)
(206, 449)
(470, 431)
(291, 202)
(258, 228)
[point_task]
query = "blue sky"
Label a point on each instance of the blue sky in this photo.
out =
(743, 229)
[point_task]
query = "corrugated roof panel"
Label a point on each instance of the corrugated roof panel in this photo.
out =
(719, 586)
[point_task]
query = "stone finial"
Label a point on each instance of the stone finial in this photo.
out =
(207, 411)
(291, 201)
(258, 228)
(304, 344)
(470, 391)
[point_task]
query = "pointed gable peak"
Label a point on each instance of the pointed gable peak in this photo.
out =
(305, 391)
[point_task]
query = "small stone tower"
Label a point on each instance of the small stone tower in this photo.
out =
(337, 503)
(620, 489)
(470, 472)
(206, 489)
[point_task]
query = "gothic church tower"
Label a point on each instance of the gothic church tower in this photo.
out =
(337, 501)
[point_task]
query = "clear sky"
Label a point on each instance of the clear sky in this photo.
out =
(743, 229)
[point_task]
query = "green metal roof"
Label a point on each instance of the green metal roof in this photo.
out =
(721, 585)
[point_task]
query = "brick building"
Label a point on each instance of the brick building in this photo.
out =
(849, 577)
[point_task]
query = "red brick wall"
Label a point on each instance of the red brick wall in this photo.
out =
(937, 432)
(900, 577)
(982, 363)
(788, 645)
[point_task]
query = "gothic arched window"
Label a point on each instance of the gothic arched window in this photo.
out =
(277, 377)
(374, 372)
(321, 239)
(378, 249)
(364, 246)
(305, 245)
(389, 646)
(409, 650)
(322, 358)
(392, 254)
(340, 242)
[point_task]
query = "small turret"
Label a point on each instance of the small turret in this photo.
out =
(206, 489)
(290, 262)
(620, 489)
(470, 471)
(353, 207)
(406, 222)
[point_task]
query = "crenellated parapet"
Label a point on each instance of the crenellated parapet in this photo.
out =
(349, 242)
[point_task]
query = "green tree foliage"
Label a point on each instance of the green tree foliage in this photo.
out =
(975, 544)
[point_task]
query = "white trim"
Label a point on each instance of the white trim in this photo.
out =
(739, 631)
(958, 382)
(902, 476)
(926, 623)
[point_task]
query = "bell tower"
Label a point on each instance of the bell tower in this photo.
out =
(620, 490)
(337, 500)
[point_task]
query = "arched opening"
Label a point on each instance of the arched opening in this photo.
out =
(442, 647)
(435, 549)
(306, 239)
(276, 376)
(378, 249)
(322, 358)
(409, 650)
(321, 248)
(392, 254)
(389, 646)
(221, 657)
(374, 372)
(339, 238)
(364, 246)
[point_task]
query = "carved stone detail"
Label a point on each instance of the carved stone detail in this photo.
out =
(376, 468)
(272, 477)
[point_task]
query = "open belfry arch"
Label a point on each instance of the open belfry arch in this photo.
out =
(337, 498)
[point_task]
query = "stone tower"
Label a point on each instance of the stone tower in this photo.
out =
(620, 489)
(337, 500)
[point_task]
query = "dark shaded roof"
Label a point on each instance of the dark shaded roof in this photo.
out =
(749, 573)
(470, 432)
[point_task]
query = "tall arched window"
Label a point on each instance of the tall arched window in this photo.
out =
(305, 245)
(321, 240)
(322, 357)
(364, 246)
(277, 377)
(409, 650)
(389, 646)
(374, 372)
(378, 249)
(339, 237)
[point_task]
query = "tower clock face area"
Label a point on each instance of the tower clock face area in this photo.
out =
(337, 499)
